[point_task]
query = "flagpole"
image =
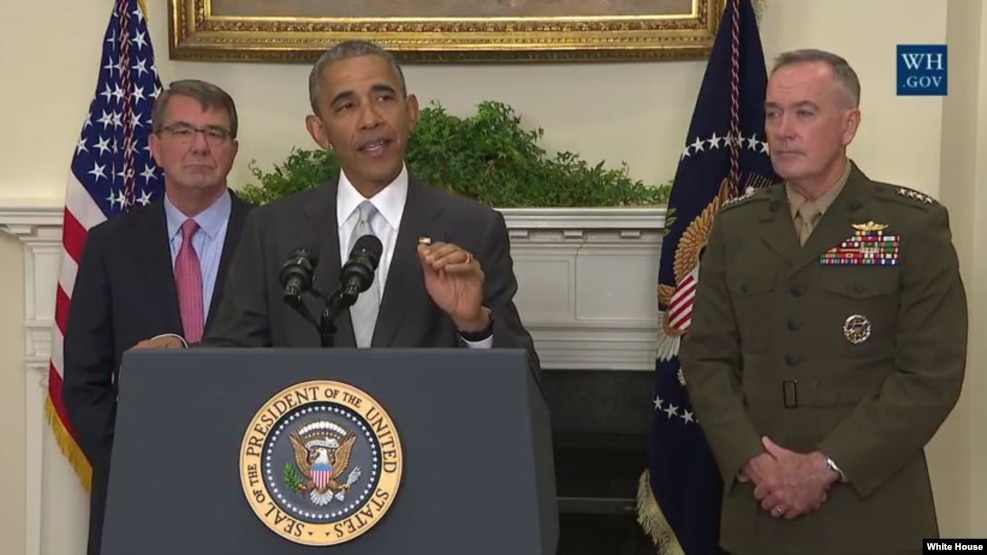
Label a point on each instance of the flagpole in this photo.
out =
(725, 156)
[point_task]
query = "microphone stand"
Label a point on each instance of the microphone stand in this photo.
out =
(336, 303)
(327, 325)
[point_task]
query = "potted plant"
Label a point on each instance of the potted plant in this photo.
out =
(488, 156)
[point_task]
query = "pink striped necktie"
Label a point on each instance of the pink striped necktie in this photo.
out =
(188, 280)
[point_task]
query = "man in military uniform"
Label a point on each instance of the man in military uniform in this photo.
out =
(828, 339)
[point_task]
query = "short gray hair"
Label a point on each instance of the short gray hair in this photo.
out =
(209, 95)
(844, 75)
(343, 51)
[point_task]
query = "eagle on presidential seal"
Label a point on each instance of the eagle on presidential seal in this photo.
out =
(322, 454)
(676, 318)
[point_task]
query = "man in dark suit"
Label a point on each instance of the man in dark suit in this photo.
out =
(455, 292)
(141, 276)
(828, 339)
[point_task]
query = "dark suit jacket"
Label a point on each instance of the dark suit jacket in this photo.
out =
(252, 313)
(124, 292)
(769, 353)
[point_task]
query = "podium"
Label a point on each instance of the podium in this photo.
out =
(355, 452)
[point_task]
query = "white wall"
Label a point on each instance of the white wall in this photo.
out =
(633, 112)
(960, 448)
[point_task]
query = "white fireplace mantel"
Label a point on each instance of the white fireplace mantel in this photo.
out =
(587, 283)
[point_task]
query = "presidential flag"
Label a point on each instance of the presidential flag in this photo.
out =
(725, 156)
(111, 172)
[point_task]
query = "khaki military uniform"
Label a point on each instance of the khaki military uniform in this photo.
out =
(853, 344)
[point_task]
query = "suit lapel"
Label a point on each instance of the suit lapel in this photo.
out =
(154, 254)
(238, 215)
(404, 278)
(323, 229)
(835, 225)
(777, 229)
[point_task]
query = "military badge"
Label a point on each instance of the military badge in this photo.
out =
(748, 193)
(911, 193)
(320, 463)
(856, 329)
(868, 246)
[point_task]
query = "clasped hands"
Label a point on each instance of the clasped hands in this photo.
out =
(789, 484)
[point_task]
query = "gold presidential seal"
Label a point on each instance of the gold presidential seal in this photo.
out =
(321, 463)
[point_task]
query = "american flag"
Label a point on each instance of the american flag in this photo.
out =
(112, 171)
(725, 156)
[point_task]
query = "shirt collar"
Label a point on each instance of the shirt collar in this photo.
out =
(389, 202)
(210, 220)
(796, 200)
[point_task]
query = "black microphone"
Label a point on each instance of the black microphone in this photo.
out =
(357, 274)
(296, 275)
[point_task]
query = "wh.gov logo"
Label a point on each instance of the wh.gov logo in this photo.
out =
(922, 70)
(320, 463)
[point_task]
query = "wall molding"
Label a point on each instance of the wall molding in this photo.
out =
(38, 227)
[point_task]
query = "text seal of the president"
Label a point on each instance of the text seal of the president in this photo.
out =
(321, 463)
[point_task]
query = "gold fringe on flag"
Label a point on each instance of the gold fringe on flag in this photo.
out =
(77, 459)
(652, 520)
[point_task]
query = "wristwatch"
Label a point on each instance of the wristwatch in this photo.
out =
(480, 335)
(830, 464)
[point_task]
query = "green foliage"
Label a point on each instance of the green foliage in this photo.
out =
(488, 156)
(291, 478)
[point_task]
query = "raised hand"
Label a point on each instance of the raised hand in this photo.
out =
(454, 280)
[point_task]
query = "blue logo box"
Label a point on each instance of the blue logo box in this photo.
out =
(922, 70)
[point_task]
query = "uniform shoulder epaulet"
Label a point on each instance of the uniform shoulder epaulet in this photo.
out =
(905, 195)
(750, 195)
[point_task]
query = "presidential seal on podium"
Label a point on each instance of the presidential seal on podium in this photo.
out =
(321, 463)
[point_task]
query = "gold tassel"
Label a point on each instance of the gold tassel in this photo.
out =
(77, 459)
(652, 520)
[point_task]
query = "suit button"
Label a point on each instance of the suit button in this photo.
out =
(792, 360)
(797, 290)
(794, 324)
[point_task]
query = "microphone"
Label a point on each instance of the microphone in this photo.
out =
(296, 275)
(357, 274)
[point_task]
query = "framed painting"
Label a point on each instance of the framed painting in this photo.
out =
(445, 30)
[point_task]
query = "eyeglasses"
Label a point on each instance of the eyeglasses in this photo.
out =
(183, 134)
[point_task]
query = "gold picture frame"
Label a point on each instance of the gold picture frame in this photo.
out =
(446, 30)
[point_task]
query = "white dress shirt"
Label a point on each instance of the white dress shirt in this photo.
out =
(389, 203)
